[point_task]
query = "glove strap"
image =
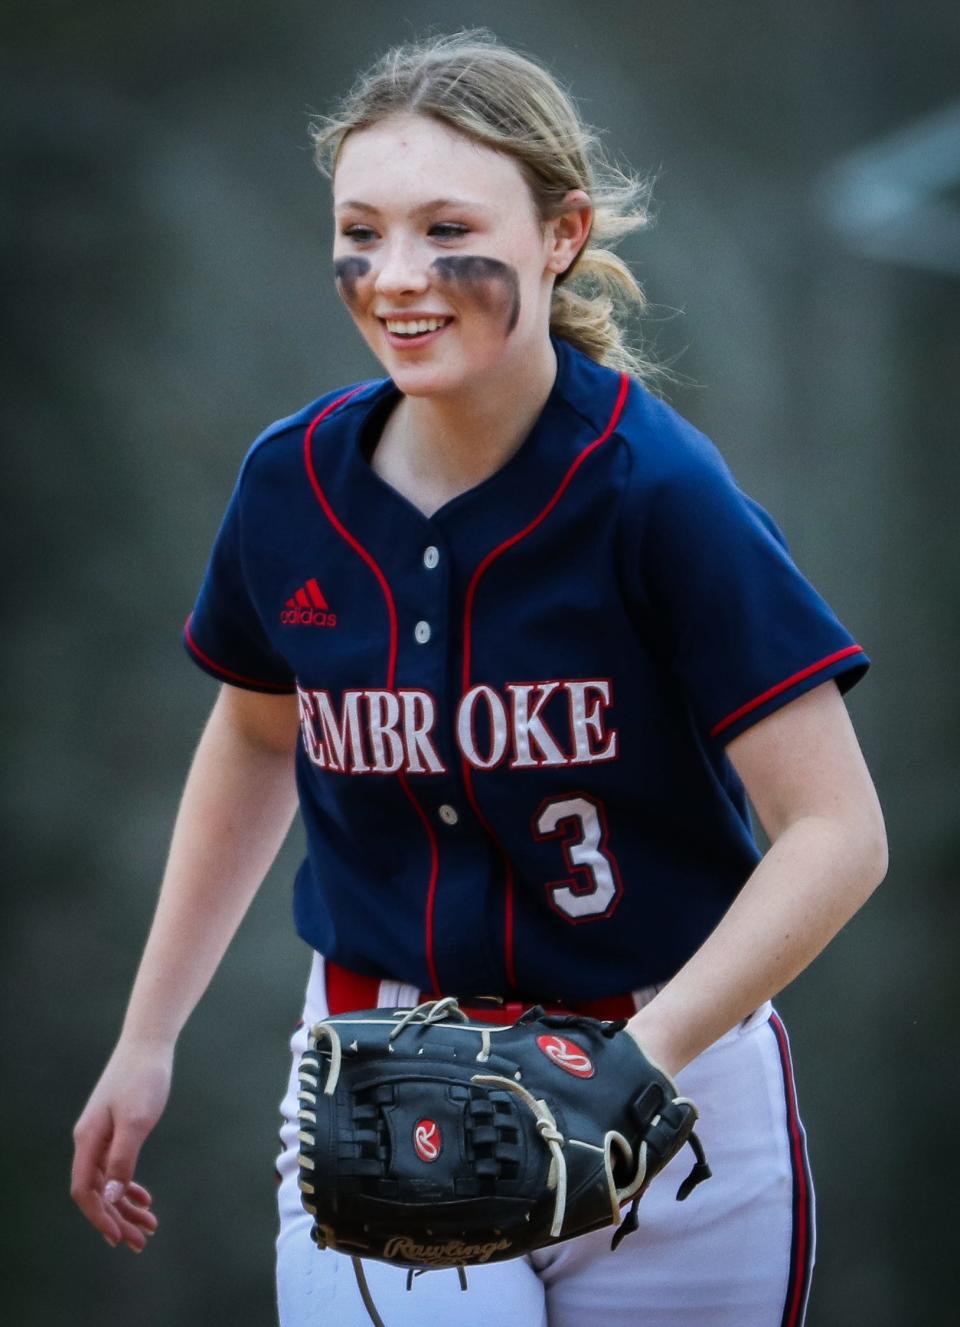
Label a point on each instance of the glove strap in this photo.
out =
(365, 1295)
(420, 1271)
(367, 1298)
(701, 1171)
(628, 1225)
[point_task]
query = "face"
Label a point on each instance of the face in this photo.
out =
(440, 256)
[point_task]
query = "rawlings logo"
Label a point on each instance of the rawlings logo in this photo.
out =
(426, 1139)
(442, 1255)
(566, 1055)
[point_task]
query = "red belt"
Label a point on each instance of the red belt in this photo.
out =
(348, 990)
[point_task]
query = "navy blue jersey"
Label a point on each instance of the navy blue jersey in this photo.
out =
(513, 713)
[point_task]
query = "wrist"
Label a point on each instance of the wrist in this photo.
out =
(657, 1043)
(148, 1042)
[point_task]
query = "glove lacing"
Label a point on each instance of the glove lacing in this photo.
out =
(324, 1032)
(547, 1129)
(431, 1011)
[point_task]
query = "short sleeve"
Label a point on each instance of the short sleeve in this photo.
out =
(746, 631)
(224, 634)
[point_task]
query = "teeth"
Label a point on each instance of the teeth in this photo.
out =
(414, 327)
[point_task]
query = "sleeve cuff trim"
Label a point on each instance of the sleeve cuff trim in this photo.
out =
(784, 686)
(226, 673)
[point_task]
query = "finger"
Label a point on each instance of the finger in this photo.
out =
(133, 1223)
(137, 1215)
(92, 1138)
(134, 1239)
(125, 1144)
(133, 1217)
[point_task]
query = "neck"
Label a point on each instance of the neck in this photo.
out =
(458, 441)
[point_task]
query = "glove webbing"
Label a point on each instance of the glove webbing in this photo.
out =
(551, 1135)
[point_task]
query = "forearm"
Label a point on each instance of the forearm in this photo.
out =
(236, 809)
(811, 881)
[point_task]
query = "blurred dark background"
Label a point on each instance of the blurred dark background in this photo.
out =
(166, 274)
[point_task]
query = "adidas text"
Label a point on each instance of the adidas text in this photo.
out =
(307, 617)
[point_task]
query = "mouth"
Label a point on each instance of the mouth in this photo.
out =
(412, 333)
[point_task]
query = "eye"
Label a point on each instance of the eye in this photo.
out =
(362, 234)
(449, 230)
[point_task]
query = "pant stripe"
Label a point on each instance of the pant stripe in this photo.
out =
(801, 1250)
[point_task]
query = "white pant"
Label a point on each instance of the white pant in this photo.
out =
(736, 1253)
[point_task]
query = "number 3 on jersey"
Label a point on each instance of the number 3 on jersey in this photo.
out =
(594, 887)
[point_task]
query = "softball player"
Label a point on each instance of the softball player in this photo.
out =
(533, 648)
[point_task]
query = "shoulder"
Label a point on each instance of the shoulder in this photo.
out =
(678, 483)
(667, 452)
(282, 442)
(677, 478)
(663, 448)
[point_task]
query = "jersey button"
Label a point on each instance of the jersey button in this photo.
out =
(431, 556)
(421, 633)
(448, 815)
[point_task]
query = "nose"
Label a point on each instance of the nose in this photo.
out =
(402, 271)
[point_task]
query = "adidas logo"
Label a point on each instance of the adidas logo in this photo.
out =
(308, 608)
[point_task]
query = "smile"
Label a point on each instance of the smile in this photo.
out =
(413, 331)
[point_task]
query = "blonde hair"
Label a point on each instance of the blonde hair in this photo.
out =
(506, 101)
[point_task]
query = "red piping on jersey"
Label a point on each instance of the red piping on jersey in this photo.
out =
(783, 686)
(467, 642)
(798, 1283)
(226, 672)
(432, 886)
(345, 533)
(391, 662)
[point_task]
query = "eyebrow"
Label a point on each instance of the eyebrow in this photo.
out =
(434, 205)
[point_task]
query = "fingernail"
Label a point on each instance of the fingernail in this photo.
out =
(112, 1191)
(111, 1242)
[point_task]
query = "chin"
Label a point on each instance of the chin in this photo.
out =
(428, 379)
(424, 382)
(443, 371)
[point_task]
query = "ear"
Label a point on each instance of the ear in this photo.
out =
(569, 231)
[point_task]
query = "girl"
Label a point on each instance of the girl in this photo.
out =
(528, 649)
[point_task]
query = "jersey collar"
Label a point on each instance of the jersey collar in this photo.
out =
(575, 412)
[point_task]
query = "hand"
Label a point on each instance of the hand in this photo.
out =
(125, 1105)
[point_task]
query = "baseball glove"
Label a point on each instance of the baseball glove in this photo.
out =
(429, 1140)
